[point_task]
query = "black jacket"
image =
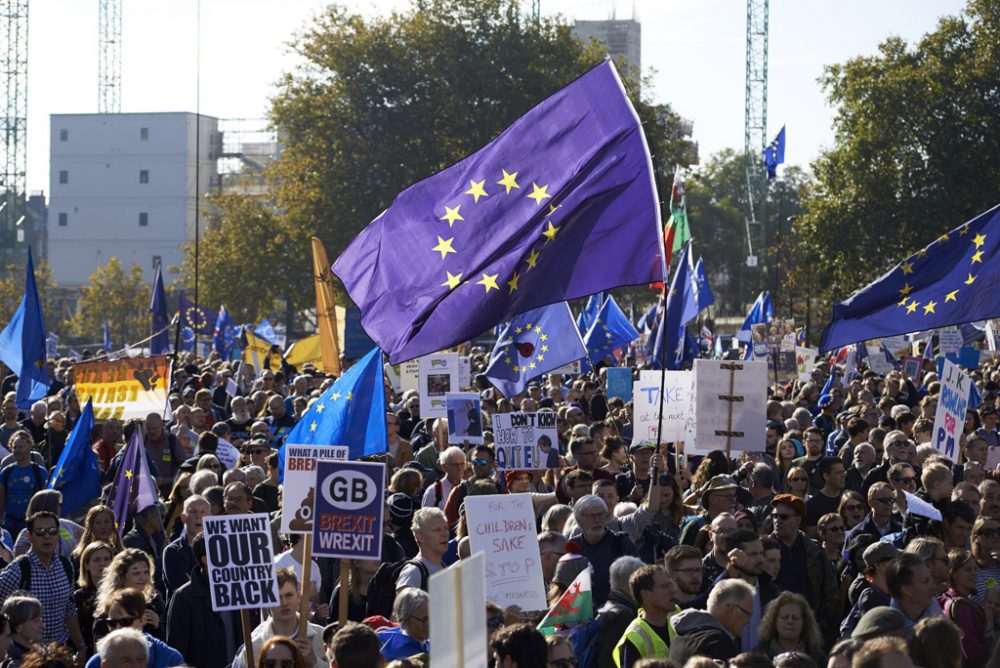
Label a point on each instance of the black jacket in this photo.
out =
(612, 619)
(191, 622)
(700, 634)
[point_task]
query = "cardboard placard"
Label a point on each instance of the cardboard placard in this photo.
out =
(949, 419)
(240, 573)
(458, 627)
(949, 341)
(350, 503)
(619, 382)
(464, 372)
(438, 377)
(465, 418)
(730, 403)
(409, 373)
(298, 490)
(678, 406)
(912, 368)
(392, 373)
(805, 361)
(526, 440)
(502, 526)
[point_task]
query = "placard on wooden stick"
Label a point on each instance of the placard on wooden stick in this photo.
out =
(730, 406)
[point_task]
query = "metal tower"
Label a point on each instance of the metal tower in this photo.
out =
(13, 128)
(755, 138)
(536, 10)
(109, 67)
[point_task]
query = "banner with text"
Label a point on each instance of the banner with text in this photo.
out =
(350, 501)
(438, 377)
(298, 490)
(124, 389)
(678, 406)
(240, 573)
(949, 420)
(526, 440)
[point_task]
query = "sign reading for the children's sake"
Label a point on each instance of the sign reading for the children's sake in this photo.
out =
(526, 440)
(300, 482)
(503, 527)
(730, 405)
(240, 572)
(677, 406)
(350, 497)
(949, 420)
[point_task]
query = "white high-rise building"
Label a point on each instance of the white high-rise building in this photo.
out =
(124, 185)
(622, 37)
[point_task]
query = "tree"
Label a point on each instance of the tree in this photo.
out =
(117, 295)
(917, 149)
(12, 290)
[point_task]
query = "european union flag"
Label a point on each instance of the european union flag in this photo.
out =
(107, 337)
(589, 312)
(160, 343)
(534, 343)
(560, 205)
(265, 330)
(77, 474)
(198, 318)
(22, 344)
(133, 488)
(350, 413)
(610, 330)
(774, 154)
(954, 280)
(703, 295)
(682, 305)
(224, 335)
(761, 312)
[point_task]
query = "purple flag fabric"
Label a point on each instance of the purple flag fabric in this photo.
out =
(560, 205)
(133, 489)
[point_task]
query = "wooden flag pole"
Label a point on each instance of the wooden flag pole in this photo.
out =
(345, 591)
(247, 641)
(307, 540)
(730, 399)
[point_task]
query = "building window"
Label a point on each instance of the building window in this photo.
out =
(63, 176)
(143, 134)
(143, 219)
(63, 135)
(63, 219)
(143, 176)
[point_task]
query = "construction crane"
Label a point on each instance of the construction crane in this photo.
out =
(109, 65)
(754, 140)
(13, 129)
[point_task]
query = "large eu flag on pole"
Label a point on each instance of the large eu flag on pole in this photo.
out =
(133, 488)
(560, 205)
(954, 280)
(22, 344)
(77, 474)
(160, 343)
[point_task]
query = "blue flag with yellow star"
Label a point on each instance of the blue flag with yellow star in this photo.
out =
(610, 330)
(159, 344)
(133, 488)
(194, 320)
(350, 413)
(954, 280)
(534, 343)
(77, 474)
(22, 344)
(774, 154)
(561, 205)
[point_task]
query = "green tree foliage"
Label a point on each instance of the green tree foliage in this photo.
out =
(12, 290)
(115, 294)
(917, 149)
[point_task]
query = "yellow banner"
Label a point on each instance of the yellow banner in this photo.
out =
(305, 351)
(124, 389)
(258, 353)
(326, 309)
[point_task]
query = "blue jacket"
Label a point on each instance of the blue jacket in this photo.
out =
(178, 562)
(161, 655)
(398, 645)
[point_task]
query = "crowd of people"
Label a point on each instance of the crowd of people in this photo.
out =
(817, 549)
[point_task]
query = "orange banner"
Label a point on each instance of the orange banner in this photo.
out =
(124, 389)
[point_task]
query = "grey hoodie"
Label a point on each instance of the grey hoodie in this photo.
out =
(701, 634)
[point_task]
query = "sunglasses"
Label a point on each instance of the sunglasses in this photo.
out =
(480, 462)
(51, 531)
(121, 622)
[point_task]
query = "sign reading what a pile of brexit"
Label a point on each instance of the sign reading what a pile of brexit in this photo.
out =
(350, 501)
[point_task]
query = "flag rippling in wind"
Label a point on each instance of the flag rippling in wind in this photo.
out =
(954, 280)
(562, 204)
(160, 343)
(22, 344)
(678, 232)
(671, 339)
(774, 154)
(350, 413)
(133, 489)
(610, 330)
(589, 312)
(77, 474)
(760, 313)
(194, 320)
(224, 334)
(531, 344)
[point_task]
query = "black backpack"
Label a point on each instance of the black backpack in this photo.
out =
(25, 566)
(382, 590)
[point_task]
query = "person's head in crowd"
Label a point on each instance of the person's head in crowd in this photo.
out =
(430, 529)
(772, 558)
(797, 482)
(852, 508)
(967, 493)
(730, 602)
(483, 461)
(831, 471)
(932, 552)
(560, 654)
(719, 529)
(123, 648)
(518, 482)
(614, 451)
(936, 643)
(519, 646)
(439, 432)
(653, 589)
(195, 509)
(910, 585)
(880, 621)
(407, 481)
(864, 457)
(842, 653)
(551, 546)
(203, 399)
(876, 559)
(578, 484)
(751, 563)
(130, 569)
(976, 449)
(719, 495)
(902, 478)
(591, 515)
(972, 421)
(21, 444)
(745, 520)
(786, 452)
(238, 498)
(937, 481)
(95, 558)
(50, 655)
(584, 452)
(963, 572)
(989, 494)
(43, 534)
(814, 442)
(787, 515)
(957, 520)
(99, 525)
(607, 490)
(24, 616)
(260, 430)
(831, 530)
(202, 480)
(989, 416)
(452, 462)
(235, 475)
(198, 420)
(881, 500)
(149, 520)
(125, 609)
(411, 610)
(621, 570)
(354, 645)
(761, 481)
(986, 541)
(111, 431)
(254, 475)
(276, 406)
(922, 429)
(286, 612)
(210, 462)
(744, 660)
(555, 518)
(640, 454)
(280, 652)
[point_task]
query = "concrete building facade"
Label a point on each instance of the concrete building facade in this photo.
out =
(623, 38)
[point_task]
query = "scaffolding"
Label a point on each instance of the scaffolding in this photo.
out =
(109, 64)
(13, 129)
(754, 140)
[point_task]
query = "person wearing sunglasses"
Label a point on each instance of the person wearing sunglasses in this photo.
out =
(126, 610)
(713, 633)
(281, 652)
(881, 520)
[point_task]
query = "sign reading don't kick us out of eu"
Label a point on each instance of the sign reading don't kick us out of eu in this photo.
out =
(350, 501)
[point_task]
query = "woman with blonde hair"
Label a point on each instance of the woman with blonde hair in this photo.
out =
(95, 558)
(132, 569)
(98, 527)
(788, 625)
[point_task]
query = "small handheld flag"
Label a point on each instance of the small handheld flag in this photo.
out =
(77, 474)
(575, 605)
(774, 154)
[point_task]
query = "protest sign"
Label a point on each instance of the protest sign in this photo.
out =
(897, 345)
(949, 419)
(300, 482)
(730, 399)
(917, 506)
(912, 367)
(949, 341)
(465, 417)
(677, 406)
(619, 383)
(878, 362)
(458, 626)
(350, 501)
(464, 372)
(392, 373)
(805, 360)
(570, 369)
(503, 528)
(526, 440)
(409, 372)
(240, 573)
(438, 377)
(124, 389)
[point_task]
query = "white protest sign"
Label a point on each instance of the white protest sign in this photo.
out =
(805, 360)
(458, 626)
(464, 371)
(297, 500)
(730, 404)
(408, 374)
(526, 440)
(438, 377)
(678, 406)
(897, 345)
(949, 419)
(877, 361)
(465, 417)
(392, 373)
(502, 526)
(949, 341)
(917, 506)
(570, 369)
(240, 572)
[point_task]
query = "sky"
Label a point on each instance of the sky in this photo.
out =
(696, 47)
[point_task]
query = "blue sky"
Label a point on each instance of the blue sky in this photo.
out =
(697, 48)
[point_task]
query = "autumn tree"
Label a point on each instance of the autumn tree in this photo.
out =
(115, 294)
(12, 290)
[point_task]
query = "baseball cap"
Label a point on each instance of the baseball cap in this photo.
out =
(879, 621)
(641, 445)
(878, 552)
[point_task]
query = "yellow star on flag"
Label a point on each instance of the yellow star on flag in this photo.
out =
(977, 257)
(538, 330)
(128, 474)
(312, 426)
(532, 365)
(979, 240)
(929, 308)
(545, 349)
(532, 259)
(444, 247)
(538, 193)
(965, 230)
(506, 360)
(489, 281)
(540, 358)
(544, 337)
(912, 307)
(451, 215)
(517, 369)
(906, 289)
(551, 232)
(528, 327)
(903, 301)
(508, 180)
(970, 280)
(552, 209)
(335, 396)
(513, 283)
(518, 330)
(907, 268)
(476, 190)
(320, 407)
(453, 280)
(349, 396)
(950, 297)
(943, 238)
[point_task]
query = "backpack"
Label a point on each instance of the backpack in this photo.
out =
(382, 590)
(586, 637)
(25, 582)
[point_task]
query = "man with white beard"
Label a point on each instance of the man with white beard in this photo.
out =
(240, 422)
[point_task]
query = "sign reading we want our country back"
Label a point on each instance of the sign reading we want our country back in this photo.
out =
(124, 389)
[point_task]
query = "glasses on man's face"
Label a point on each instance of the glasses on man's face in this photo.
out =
(797, 479)
(45, 531)
(121, 622)
(883, 499)
(748, 613)
(568, 662)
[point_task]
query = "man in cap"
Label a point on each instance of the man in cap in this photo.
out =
(633, 483)
(719, 497)
(878, 622)
(875, 593)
